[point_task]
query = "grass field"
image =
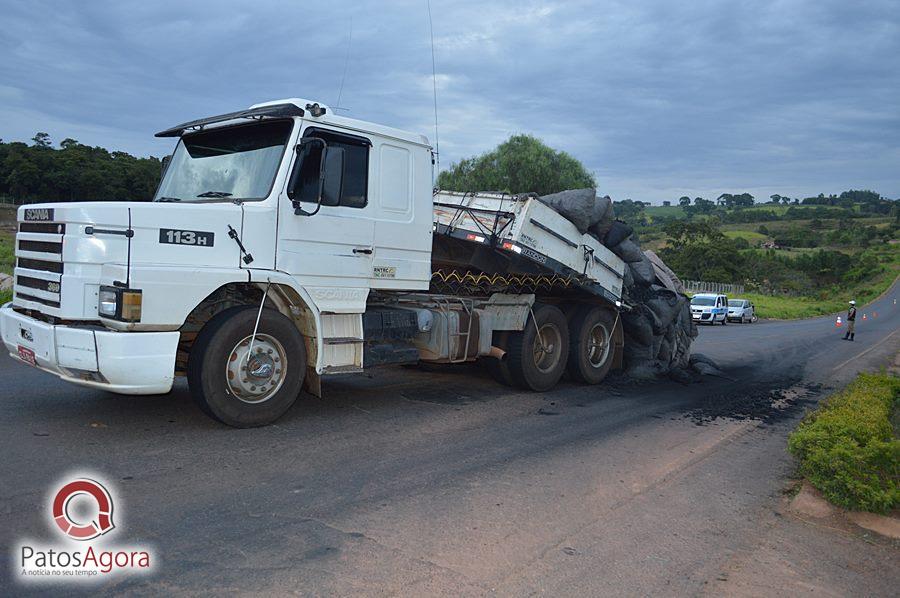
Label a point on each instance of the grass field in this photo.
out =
(752, 237)
(664, 212)
(7, 255)
(7, 260)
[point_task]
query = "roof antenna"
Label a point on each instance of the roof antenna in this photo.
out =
(437, 143)
(337, 105)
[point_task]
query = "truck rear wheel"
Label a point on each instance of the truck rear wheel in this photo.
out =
(242, 380)
(591, 348)
(537, 356)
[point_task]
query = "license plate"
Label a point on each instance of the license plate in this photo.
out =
(27, 355)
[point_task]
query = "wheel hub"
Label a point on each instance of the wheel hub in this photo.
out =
(254, 374)
(598, 346)
(546, 347)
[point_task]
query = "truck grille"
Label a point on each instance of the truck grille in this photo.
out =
(40, 246)
(42, 227)
(24, 262)
(39, 265)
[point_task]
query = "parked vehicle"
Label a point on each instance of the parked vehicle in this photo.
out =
(709, 308)
(285, 244)
(741, 310)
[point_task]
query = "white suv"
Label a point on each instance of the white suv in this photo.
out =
(709, 308)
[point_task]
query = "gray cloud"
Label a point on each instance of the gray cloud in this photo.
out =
(659, 99)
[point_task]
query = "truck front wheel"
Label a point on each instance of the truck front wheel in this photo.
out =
(592, 349)
(244, 380)
(537, 355)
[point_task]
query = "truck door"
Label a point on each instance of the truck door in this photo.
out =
(334, 246)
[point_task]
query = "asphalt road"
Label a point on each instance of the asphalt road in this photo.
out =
(440, 481)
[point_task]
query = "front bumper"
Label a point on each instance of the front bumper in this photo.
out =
(137, 363)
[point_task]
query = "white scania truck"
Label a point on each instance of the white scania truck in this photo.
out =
(286, 243)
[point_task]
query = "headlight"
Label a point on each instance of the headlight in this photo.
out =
(120, 304)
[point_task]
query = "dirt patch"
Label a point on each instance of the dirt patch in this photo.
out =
(809, 503)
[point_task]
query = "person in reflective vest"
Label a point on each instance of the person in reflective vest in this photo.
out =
(851, 322)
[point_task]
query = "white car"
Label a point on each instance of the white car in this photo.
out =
(709, 308)
(741, 310)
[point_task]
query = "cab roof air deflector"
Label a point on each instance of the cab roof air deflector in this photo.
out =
(274, 111)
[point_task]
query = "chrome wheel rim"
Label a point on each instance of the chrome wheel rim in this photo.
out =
(598, 346)
(547, 347)
(255, 375)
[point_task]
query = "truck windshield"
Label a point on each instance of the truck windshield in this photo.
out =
(736, 303)
(227, 164)
(703, 301)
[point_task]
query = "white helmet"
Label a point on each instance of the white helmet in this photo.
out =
(852, 302)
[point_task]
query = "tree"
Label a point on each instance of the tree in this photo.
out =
(684, 201)
(41, 139)
(775, 198)
(704, 206)
(744, 200)
(521, 164)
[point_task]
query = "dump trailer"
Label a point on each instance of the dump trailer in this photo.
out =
(285, 244)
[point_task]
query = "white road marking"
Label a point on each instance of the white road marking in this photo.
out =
(873, 347)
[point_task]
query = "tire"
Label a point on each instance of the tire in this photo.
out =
(531, 366)
(497, 368)
(591, 346)
(215, 368)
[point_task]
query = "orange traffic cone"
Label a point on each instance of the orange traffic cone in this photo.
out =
(838, 324)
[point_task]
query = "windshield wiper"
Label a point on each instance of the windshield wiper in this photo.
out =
(214, 194)
(167, 199)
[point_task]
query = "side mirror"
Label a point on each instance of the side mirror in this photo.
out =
(166, 160)
(330, 179)
(302, 150)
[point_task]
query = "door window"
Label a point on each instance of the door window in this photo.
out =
(354, 168)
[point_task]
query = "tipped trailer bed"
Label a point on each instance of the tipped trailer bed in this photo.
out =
(518, 241)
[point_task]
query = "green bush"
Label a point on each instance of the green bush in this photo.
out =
(847, 448)
(5, 296)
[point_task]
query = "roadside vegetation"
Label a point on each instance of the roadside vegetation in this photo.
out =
(7, 261)
(849, 449)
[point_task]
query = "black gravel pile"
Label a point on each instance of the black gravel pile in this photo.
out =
(658, 327)
(764, 405)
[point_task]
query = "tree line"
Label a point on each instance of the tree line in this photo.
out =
(73, 172)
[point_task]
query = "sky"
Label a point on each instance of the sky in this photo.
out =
(658, 99)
